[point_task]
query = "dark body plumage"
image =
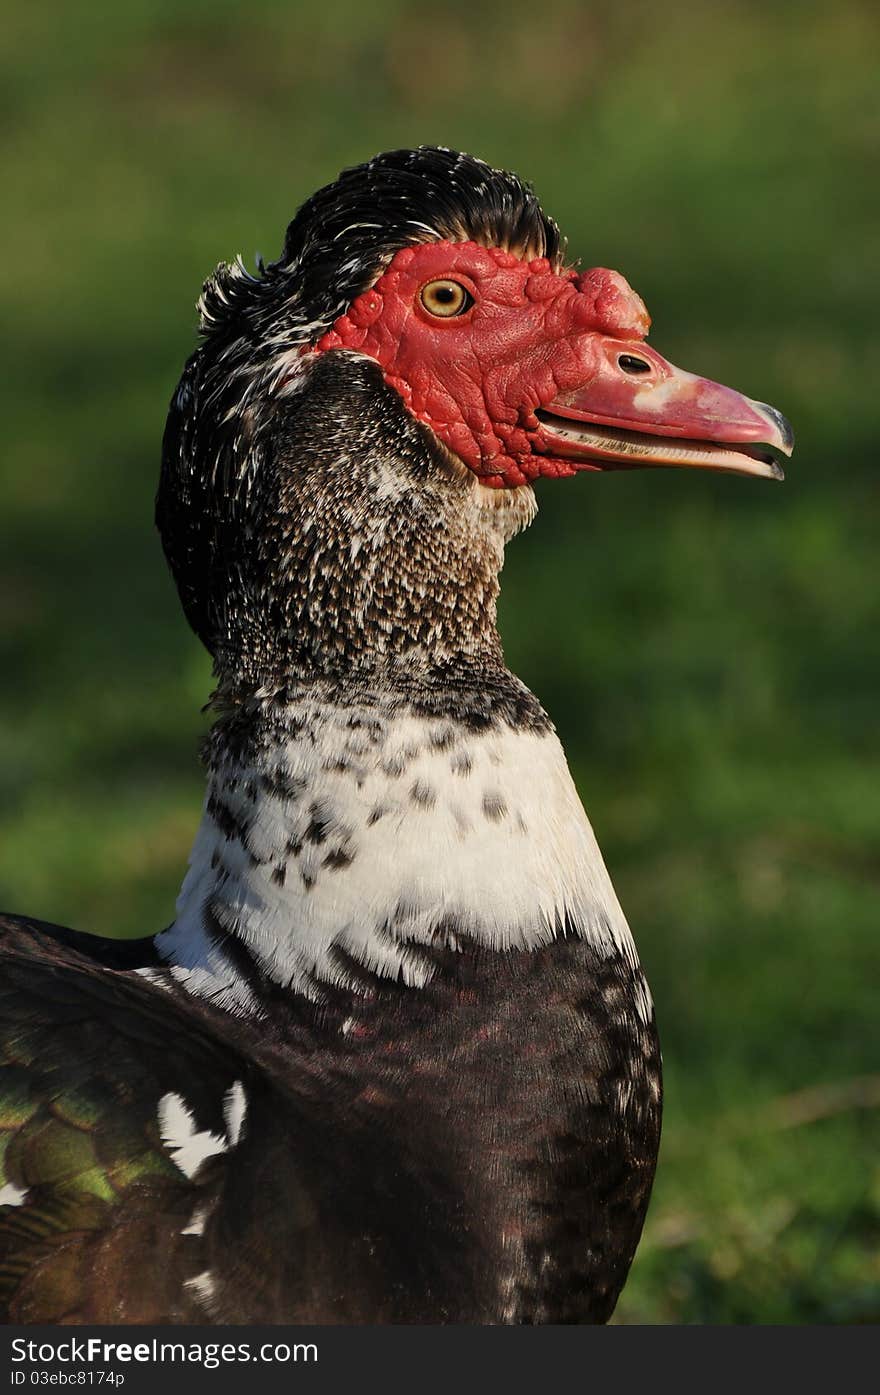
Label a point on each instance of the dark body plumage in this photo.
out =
(481, 1151)
(469, 1139)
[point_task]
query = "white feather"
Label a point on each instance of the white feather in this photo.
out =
(434, 826)
(189, 1147)
(11, 1195)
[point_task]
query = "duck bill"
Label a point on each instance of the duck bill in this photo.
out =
(638, 411)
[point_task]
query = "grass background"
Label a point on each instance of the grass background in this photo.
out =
(708, 646)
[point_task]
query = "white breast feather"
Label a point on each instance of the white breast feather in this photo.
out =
(437, 827)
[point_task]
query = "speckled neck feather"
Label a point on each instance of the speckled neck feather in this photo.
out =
(353, 542)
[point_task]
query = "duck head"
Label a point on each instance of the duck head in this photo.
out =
(421, 353)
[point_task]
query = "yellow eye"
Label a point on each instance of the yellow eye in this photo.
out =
(445, 298)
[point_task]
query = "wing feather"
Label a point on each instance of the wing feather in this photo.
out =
(97, 1221)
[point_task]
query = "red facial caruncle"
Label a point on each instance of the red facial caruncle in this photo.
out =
(523, 370)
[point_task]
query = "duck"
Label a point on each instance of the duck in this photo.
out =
(395, 1060)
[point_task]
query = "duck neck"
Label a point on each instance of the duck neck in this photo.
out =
(368, 547)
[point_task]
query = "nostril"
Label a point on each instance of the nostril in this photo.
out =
(630, 364)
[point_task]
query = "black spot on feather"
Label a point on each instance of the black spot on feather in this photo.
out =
(423, 795)
(279, 781)
(224, 818)
(338, 858)
(320, 823)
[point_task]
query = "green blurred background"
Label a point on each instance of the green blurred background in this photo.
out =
(708, 646)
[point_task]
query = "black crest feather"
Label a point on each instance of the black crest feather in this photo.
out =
(342, 236)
